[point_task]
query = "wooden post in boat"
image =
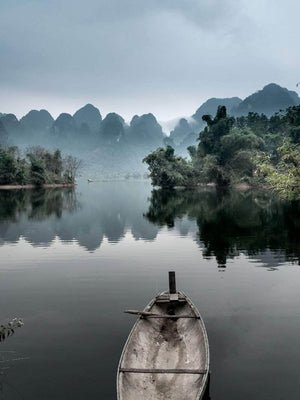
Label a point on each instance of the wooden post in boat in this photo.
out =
(172, 286)
(172, 282)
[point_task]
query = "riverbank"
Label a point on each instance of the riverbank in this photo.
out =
(239, 186)
(30, 186)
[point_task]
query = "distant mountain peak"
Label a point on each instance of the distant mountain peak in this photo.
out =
(37, 120)
(144, 118)
(112, 128)
(88, 115)
(91, 106)
(271, 86)
(88, 107)
(64, 123)
(64, 116)
(114, 116)
(210, 106)
(145, 130)
(10, 122)
(181, 131)
(270, 99)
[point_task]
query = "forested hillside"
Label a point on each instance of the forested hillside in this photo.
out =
(252, 149)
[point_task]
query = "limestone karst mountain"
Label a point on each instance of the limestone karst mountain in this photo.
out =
(10, 122)
(145, 130)
(89, 115)
(64, 124)
(36, 120)
(181, 130)
(112, 129)
(211, 105)
(271, 99)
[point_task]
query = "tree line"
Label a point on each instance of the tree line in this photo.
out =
(252, 149)
(38, 167)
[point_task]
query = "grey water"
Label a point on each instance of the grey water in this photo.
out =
(71, 261)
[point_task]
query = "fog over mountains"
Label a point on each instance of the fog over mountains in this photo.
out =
(110, 146)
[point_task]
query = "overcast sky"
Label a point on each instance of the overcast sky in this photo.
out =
(139, 56)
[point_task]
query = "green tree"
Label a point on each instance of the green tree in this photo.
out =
(7, 168)
(168, 170)
(284, 177)
(37, 170)
(210, 137)
(39, 167)
(293, 119)
(225, 150)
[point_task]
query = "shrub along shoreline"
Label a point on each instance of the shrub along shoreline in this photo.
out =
(30, 186)
(38, 168)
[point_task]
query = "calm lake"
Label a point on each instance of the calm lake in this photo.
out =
(73, 260)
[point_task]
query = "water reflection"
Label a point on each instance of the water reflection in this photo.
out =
(32, 213)
(223, 223)
(73, 301)
(86, 217)
(8, 389)
(231, 222)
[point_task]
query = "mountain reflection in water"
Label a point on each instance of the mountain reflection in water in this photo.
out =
(86, 217)
(223, 223)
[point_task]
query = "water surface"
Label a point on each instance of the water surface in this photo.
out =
(72, 261)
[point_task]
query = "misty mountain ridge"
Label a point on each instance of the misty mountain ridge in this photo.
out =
(110, 144)
(37, 120)
(271, 99)
(211, 105)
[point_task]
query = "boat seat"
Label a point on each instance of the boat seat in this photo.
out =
(170, 297)
(163, 371)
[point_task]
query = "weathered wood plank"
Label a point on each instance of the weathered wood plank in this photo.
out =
(173, 316)
(167, 300)
(152, 315)
(163, 371)
(173, 296)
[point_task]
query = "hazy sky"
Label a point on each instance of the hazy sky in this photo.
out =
(138, 56)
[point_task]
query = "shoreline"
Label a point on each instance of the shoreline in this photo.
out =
(239, 186)
(31, 186)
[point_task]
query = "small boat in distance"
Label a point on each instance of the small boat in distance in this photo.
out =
(166, 355)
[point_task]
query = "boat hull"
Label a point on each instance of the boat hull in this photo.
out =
(165, 358)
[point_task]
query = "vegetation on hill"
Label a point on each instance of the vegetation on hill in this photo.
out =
(38, 167)
(252, 149)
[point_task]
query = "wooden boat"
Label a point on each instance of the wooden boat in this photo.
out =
(166, 355)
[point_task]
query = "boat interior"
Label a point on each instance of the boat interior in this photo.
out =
(166, 355)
